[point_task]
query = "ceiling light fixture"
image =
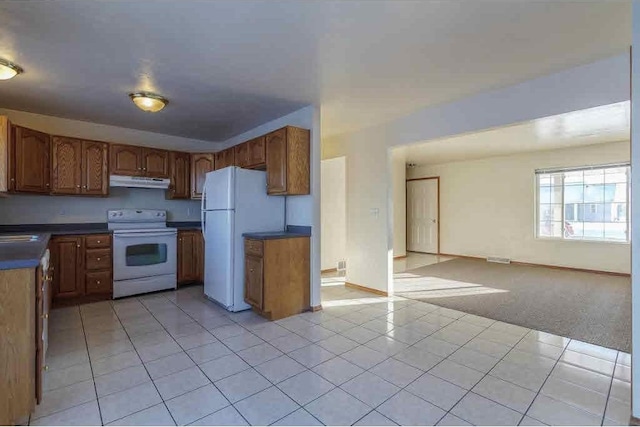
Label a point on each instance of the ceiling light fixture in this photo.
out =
(149, 102)
(8, 69)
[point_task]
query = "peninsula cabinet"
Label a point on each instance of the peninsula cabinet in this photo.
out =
(225, 158)
(287, 161)
(131, 160)
(201, 163)
(276, 276)
(79, 167)
(180, 175)
(30, 151)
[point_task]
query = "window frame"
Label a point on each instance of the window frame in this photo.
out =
(562, 237)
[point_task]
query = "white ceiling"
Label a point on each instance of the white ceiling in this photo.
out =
(228, 66)
(598, 125)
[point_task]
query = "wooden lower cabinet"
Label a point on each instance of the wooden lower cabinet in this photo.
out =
(276, 281)
(82, 268)
(190, 256)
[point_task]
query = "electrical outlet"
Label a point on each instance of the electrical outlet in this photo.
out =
(188, 211)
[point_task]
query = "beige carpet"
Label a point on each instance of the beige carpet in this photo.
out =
(590, 307)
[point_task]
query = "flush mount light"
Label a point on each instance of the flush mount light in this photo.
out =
(149, 102)
(8, 69)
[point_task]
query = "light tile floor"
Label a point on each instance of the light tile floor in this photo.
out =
(176, 358)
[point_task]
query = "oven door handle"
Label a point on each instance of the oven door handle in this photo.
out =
(143, 234)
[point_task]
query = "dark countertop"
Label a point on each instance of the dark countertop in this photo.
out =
(270, 235)
(291, 232)
(185, 225)
(57, 229)
(16, 255)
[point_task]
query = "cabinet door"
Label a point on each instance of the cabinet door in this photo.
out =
(95, 168)
(125, 160)
(186, 261)
(66, 161)
(179, 173)
(276, 147)
(155, 163)
(253, 281)
(68, 267)
(257, 155)
(225, 158)
(241, 154)
(31, 151)
(198, 255)
(200, 165)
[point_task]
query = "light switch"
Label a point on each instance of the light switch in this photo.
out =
(374, 212)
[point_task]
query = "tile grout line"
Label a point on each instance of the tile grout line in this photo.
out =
(606, 403)
(93, 378)
(143, 365)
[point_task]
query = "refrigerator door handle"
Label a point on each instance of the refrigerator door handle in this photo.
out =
(202, 213)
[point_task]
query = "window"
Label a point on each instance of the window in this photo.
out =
(590, 203)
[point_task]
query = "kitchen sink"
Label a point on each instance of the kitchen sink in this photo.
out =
(20, 238)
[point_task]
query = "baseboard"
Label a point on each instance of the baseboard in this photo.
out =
(328, 270)
(399, 257)
(364, 288)
(315, 308)
(556, 267)
(633, 421)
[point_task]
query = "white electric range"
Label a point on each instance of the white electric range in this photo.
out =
(144, 251)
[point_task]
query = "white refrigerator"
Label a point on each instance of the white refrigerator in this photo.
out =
(234, 201)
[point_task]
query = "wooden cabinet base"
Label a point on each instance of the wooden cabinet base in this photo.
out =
(277, 282)
(84, 299)
(17, 344)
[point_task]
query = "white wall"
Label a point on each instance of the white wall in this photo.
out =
(333, 212)
(487, 208)
(399, 206)
(33, 209)
(301, 210)
(370, 235)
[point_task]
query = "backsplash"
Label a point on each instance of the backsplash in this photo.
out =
(36, 209)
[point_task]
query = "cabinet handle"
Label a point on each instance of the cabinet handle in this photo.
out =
(45, 368)
(84, 186)
(45, 316)
(47, 184)
(98, 259)
(78, 245)
(251, 270)
(99, 241)
(98, 282)
(47, 278)
(78, 186)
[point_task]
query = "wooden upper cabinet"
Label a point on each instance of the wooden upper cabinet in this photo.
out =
(257, 154)
(201, 163)
(242, 158)
(287, 161)
(155, 163)
(250, 154)
(225, 158)
(179, 173)
(95, 168)
(126, 160)
(66, 165)
(31, 160)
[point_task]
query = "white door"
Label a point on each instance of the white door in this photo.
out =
(422, 216)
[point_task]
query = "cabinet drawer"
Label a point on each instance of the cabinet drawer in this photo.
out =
(253, 247)
(99, 282)
(98, 241)
(98, 259)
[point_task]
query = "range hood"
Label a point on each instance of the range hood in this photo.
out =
(138, 182)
